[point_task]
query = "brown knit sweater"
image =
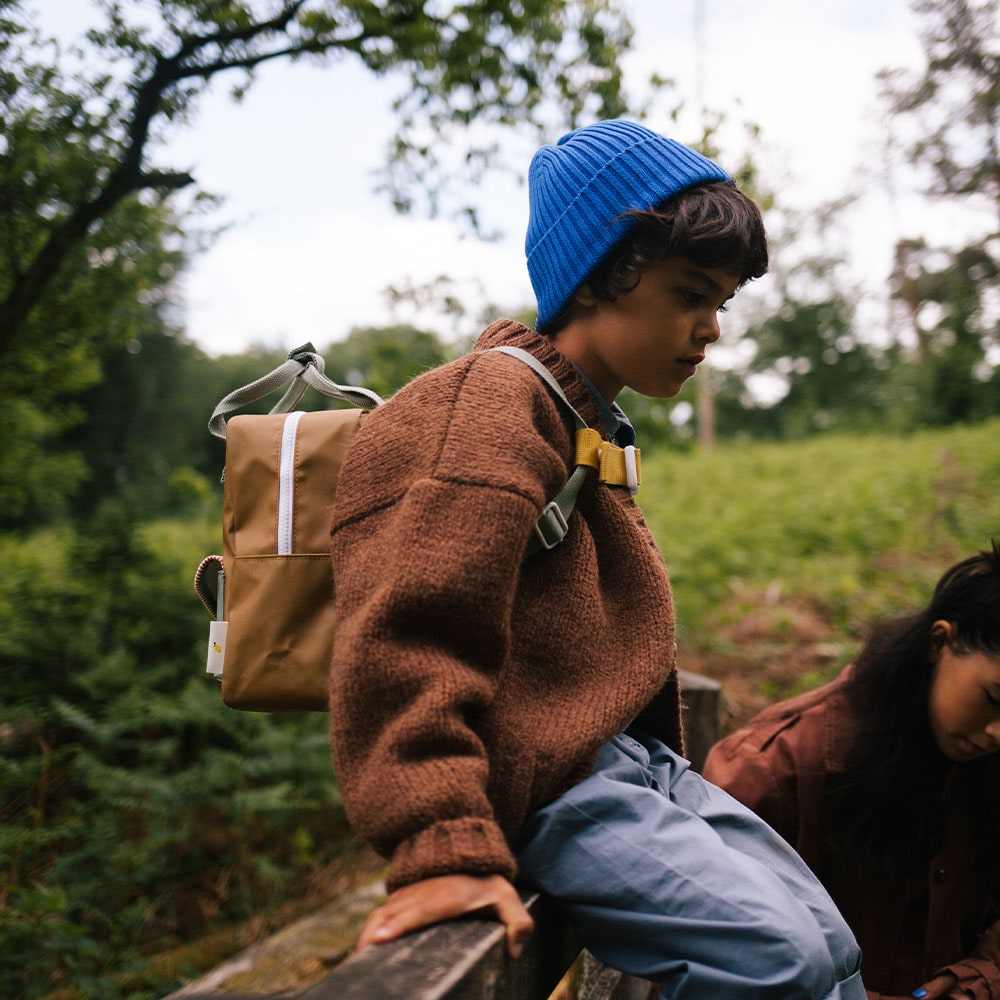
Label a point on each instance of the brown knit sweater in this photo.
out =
(468, 689)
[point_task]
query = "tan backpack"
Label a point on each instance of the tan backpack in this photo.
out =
(271, 590)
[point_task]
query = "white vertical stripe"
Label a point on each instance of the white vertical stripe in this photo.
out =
(286, 483)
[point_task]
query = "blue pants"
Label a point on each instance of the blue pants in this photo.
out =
(668, 877)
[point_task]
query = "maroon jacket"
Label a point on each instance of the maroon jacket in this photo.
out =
(778, 765)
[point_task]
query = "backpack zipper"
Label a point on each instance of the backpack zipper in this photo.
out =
(286, 483)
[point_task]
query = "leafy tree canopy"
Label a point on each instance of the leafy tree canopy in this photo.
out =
(77, 144)
(950, 109)
(91, 239)
(946, 118)
(384, 358)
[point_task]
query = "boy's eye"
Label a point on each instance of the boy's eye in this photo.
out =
(695, 299)
(993, 700)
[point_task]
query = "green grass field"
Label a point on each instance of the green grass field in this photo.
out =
(861, 526)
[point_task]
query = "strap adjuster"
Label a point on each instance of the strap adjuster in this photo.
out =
(551, 526)
(631, 470)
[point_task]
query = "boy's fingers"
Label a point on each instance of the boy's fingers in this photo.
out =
(424, 903)
(400, 916)
(517, 920)
(505, 901)
(500, 896)
(373, 929)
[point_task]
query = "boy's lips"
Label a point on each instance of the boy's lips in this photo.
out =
(692, 362)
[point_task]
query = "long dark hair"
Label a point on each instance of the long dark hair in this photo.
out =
(885, 804)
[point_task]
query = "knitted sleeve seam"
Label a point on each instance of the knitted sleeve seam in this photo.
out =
(470, 481)
(451, 481)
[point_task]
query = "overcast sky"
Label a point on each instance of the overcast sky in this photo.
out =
(310, 247)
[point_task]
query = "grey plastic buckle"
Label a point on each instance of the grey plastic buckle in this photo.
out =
(551, 526)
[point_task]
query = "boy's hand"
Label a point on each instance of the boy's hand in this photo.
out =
(435, 899)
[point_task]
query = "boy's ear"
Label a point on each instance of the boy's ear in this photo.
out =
(585, 297)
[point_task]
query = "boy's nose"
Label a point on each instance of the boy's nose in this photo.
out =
(709, 330)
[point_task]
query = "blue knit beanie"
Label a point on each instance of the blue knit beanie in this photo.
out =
(579, 187)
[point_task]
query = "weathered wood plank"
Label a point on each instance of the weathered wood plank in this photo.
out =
(459, 960)
(600, 982)
(290, 960)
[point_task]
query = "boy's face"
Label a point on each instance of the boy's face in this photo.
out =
(652, 338)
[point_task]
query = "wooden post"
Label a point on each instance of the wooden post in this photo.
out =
(701, 698)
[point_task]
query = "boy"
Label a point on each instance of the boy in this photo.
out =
(500, 717)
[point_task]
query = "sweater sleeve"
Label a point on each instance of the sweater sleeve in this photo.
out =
(426, 562)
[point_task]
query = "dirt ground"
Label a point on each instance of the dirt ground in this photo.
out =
(775, 647)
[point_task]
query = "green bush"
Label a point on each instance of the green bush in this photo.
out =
(140, 811)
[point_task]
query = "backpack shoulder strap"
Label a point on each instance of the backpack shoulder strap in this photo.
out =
(615, 466)
(545, 375)
(552, 524)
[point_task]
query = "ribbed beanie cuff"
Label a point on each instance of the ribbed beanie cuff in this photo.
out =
(577, 190)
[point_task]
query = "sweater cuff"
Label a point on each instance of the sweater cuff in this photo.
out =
(468, 846)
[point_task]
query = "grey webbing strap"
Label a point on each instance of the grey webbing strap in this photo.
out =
(552, 524)
(546, 376)
(303, 368)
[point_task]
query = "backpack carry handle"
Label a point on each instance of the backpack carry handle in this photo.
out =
(303, 368)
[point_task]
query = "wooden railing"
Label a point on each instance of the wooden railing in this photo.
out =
(459, 960)
(466, 960)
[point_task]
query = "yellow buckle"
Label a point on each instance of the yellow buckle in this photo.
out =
(615, 466)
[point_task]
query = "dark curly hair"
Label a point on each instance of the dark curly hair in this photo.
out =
(715, 225)
(885, 804)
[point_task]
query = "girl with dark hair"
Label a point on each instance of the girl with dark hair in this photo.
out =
(887, 783)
